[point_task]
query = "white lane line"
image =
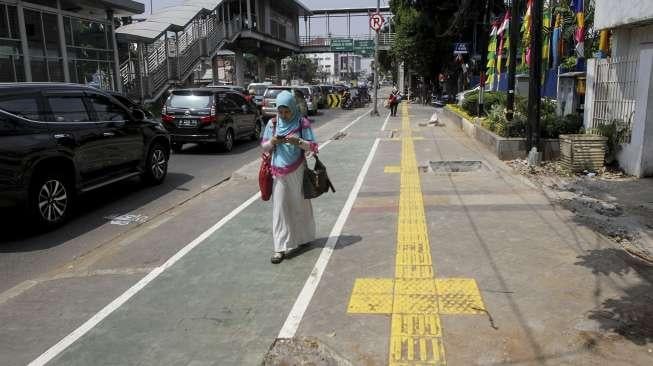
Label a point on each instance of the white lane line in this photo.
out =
(386, 122)
(71, 338)
(301, 304)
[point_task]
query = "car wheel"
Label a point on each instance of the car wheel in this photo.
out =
(177, 147)
(228, 143)
(156, 166)
(51, 199)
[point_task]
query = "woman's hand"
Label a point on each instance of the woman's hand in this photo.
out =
(292, 140)
(276, 140)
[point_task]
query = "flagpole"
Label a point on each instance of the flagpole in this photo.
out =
(512, 61)
(484, 45)
(534, 87)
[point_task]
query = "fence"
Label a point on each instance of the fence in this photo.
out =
(615, 89)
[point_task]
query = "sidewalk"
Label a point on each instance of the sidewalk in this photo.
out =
(463, 268)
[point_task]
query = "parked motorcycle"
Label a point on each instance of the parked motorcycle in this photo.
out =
(347, 100)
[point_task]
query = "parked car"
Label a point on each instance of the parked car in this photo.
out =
(210, 115)
(269, 100)
(259, 90)
(59, 140)
(325, 91)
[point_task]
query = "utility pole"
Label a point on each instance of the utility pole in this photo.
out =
(534, 91)
(512, 62)
(375, 111)
(489, 5)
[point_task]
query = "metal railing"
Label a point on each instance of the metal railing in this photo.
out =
(615, 93)
(385, 39)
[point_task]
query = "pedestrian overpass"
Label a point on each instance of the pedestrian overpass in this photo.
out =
(170, 46)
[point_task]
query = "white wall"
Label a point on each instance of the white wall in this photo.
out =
(636, 158)
(614, 13)
(625, 41)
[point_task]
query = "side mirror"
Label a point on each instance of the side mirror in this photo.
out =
(138, 114)
(244, 108)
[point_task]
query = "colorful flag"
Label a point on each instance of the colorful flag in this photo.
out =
(578, 8)
(501, 32)
(526, 34)
(546, 42)
(556, 39)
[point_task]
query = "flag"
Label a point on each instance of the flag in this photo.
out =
(491, 54)
(556, 39)
(526, 34)
(501, 32)
(578, 8)
(546, 42)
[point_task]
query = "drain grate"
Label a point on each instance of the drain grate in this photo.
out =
(456, 166)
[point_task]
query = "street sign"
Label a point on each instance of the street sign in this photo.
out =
(376, 21)
(460, 48)
(342, 45)
(364, 47)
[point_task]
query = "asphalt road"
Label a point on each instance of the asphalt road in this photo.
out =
(25, 254)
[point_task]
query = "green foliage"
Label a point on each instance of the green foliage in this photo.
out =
(491, 98)
(300, 67)
(551, 125)
(616, 131)
(569, 62)
(426, 29)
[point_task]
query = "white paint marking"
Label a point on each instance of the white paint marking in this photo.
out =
(301, 304)
(71, 338)
(386, 122)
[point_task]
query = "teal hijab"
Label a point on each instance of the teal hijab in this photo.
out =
(284, 127)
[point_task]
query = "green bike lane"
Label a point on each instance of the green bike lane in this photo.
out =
(222, 303)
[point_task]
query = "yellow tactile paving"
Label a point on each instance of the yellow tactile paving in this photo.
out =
(415, 298)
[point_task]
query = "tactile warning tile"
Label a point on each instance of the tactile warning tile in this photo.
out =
(459, 296)
(414, 271)
(392, 169)
(425, 325)
(371, 296)
(414, 286)
(374, 285)
(413, 351)
(415, 304)
(362, 303)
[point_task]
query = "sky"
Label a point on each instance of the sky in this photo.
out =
(359, 25)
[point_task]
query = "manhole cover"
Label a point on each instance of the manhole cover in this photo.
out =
(455, 166)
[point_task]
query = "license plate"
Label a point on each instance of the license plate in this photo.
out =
(187, 123)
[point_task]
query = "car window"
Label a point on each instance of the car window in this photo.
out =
(126, 101)
(237, 99)
(106, 110)
(21, 105)
(68, 108)
(272, 93)
(193, 101)
(228, 105)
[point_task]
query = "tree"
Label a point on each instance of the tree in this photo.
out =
(300, 67)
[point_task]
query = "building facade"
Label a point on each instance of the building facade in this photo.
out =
(61, 40)
(620, 87)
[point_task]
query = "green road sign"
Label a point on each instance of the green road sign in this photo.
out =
(364, 47)
(342, 45)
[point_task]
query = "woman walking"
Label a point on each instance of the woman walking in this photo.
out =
(394, 102)
(289, 137)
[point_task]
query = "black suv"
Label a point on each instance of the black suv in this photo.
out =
(58, 140)
(210, 115)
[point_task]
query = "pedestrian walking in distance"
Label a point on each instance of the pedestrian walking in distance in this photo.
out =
(289, 137)
(393, 101)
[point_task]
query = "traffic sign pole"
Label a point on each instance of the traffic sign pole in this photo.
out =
(375, 24)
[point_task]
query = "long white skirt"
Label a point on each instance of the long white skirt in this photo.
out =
(292, 217)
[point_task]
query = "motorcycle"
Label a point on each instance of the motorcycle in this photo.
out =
(347, 102)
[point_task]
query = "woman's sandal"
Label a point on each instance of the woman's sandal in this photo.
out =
(277, 258)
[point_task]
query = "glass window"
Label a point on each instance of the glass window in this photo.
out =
(55, 67)
(34, 32)
(190, 101)
(8, 22)
(68, 31)
(51, 35)
(7, 126)
(39, 68)
(106, 110)
(68, 108)
(21, 105)
(89, 34)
